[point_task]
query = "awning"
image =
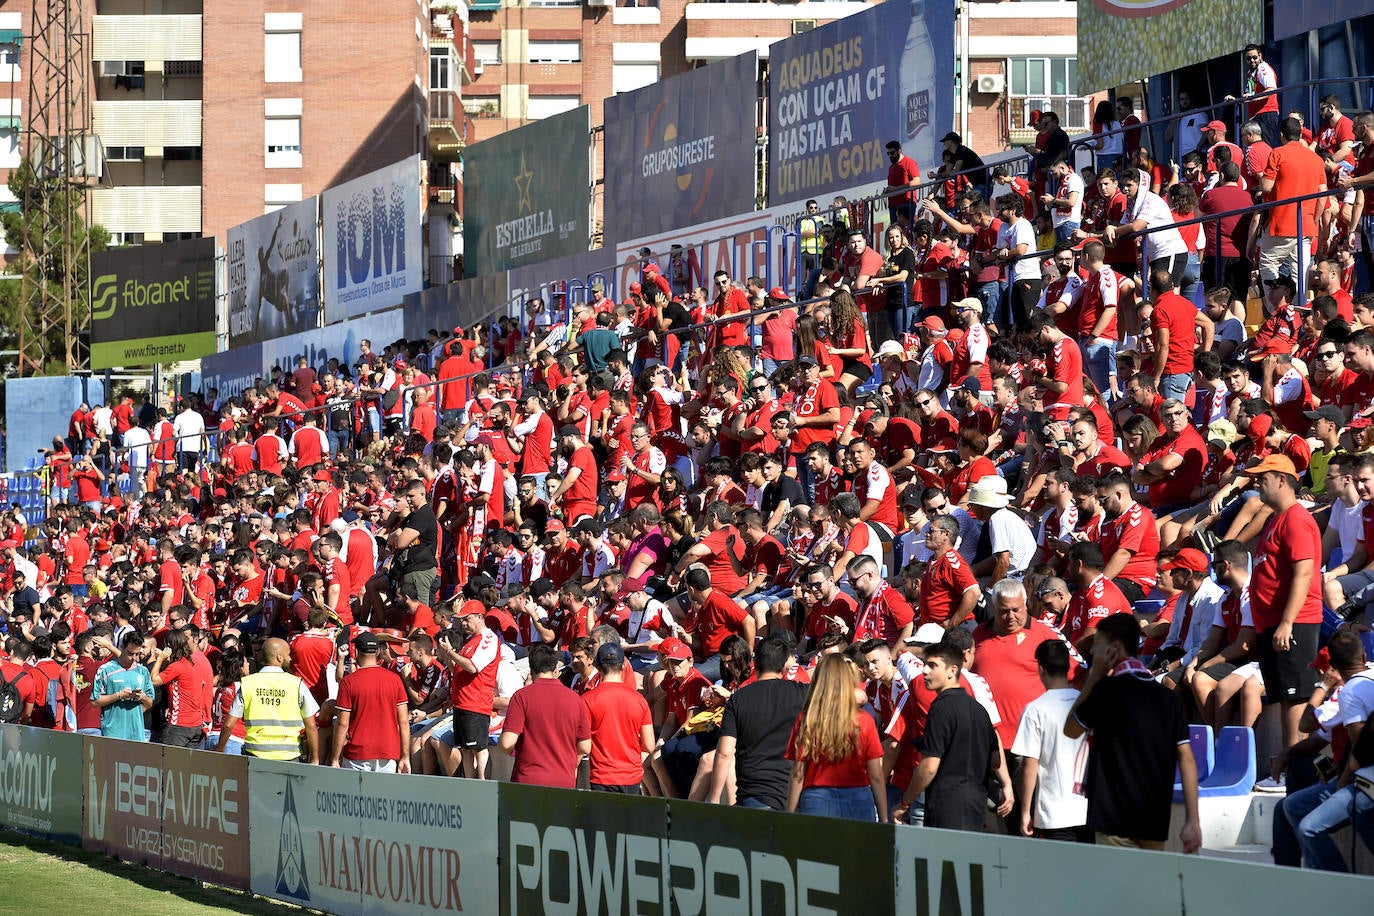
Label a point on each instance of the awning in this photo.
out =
(11, 37)
(11, 122)
(484, 5)
(10, 206)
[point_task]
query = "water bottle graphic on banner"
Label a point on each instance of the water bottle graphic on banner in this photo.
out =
(918, 79)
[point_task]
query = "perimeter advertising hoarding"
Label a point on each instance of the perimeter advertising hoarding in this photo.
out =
(372, 229)
(527, 193)
(273, 265)
(839, 93)
(234, 370)
(40, 783)
(152, 304)
(464, 304)
(1296, 17)
(1121, 41)
(682, 150)
(575, 852)
(973, 874)
(179, 811)
(352, 843)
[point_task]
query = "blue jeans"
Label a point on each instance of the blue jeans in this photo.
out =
(1176, 386)
(770, 366)
(747, 802)
(338, 441)
(899, 319)
(1099, 359)
(916, 814)
(1063, 233)
(1191, 287)
(992, 295)
(1335, 812)
(852, 804)
(1291, 812)
(709, 668)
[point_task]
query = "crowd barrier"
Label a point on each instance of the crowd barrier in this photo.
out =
(347, 842)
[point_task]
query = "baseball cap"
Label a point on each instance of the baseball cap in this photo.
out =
(553, 526)
(779, 294)
(972, 384)
(616, 476)
(1280, 463)
(349, 516)
(933, 323)
(324, 477)
(1361, 423)
(1260, 426)
(928, 634)
(1223, 431)
(636, 288)
(472, 606)
(1326, 412)
(807, 360)
(540, 587)
(968, 303)
(610, 655)
(673, 648)
(484, 439)
(367, 643)
(588, 526)
(569, 429)
(951, 137)
(1189, 558)
(890, 348)
(1216, 125)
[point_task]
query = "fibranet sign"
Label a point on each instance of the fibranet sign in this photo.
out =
(153, 304)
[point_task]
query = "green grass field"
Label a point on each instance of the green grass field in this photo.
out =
(47, 877)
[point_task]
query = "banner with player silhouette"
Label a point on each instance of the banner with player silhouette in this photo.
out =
(273, 268)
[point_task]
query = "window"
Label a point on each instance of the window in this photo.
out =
(487, 52)
(181, 153)
(482, 106)
(544, 106)
(123, 153)
(179, 236)
(283, 143)
(9, 147)
(440, 68)
(629, 77)
(1046, 84)
(188, 69)
(282, 57)
(555, 52)
(555, 2)
(126, 238)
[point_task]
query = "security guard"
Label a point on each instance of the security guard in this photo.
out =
(274, 707)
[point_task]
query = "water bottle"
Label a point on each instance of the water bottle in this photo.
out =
(917, 72)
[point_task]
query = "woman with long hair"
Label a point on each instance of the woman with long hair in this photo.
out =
(1182, 200)
(849, 337)
(232, 667)
(1106, 149)
(671, 495)
(811, 340)
(837, 758)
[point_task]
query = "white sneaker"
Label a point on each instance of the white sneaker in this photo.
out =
(1270, 784)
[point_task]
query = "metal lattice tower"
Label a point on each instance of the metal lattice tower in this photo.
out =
(60, 148)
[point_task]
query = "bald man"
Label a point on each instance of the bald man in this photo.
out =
(274, 706)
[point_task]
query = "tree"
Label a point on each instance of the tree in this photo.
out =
(50, 213)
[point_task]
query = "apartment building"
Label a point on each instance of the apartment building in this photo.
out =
(211, 113)
(536, 58)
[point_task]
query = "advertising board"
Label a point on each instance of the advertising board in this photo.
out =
(152, 304)
(372, 248)
(40, 782)
(1121, 41)
(273, 267)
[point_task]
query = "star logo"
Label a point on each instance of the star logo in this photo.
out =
(522, 184)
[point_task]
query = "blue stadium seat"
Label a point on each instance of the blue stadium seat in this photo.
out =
(1234, 773)
(1200, 740)
(1147, 608)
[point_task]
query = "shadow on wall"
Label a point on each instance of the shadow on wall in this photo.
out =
(36, 409)
(399, 133)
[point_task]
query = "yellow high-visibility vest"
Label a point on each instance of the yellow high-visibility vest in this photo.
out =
(272, 719)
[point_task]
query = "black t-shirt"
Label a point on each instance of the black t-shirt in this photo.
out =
(959, 732)
(678, 317)
(774, 493)
(971, 160)
(419, 556)
(1137, 727)
(26, 600)
(904, 260)
(760, 718)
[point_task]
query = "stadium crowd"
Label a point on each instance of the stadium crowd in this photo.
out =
(891, 551)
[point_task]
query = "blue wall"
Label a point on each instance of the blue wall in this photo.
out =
(36, 409)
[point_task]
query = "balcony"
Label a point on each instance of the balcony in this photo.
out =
(146, 38)
(168, 123)
(448, 127)
(147, 209)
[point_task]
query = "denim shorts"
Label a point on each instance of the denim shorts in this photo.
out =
(852, 803)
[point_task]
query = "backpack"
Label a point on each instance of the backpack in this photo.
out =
(11, 701)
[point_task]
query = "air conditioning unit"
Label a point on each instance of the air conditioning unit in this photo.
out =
(991, 83)
(604, 4)
(802, 25)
